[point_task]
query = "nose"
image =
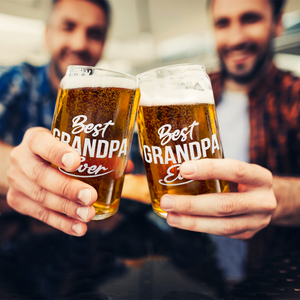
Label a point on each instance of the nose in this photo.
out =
(78, 41)
(236, 35)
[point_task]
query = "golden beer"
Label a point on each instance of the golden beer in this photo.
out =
(98, 123)
(173, 133)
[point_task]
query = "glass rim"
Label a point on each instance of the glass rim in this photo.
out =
(138, 76)
(102, 69)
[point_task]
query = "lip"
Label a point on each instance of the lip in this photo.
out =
(238, 57)
(71, 59)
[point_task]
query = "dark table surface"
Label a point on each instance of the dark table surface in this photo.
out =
(136, 255)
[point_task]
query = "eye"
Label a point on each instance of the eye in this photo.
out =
(68, 26)
(96, 34)
(222, 23)
(251, 18)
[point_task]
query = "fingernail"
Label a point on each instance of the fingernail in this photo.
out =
(174, 219)
(85, 196)
(83, 212)
(188, 168)
(68, 159)
(77, 229)
(167, 203)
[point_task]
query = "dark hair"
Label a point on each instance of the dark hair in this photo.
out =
(277, 7)
(103, 4)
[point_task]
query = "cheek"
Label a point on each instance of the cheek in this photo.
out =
(221, 39)
(260, 35)
(96, 49)
(57, 43)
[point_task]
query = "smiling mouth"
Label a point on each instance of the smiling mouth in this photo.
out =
(239, 53)
(76, 61)
(239, 56)
(78, 58)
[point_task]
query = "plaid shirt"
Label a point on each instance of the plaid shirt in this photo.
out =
(27, 99)
(274, 105)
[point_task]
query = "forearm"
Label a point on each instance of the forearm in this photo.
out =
(5, 150)
(287, 193)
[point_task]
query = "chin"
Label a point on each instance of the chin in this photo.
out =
(241, 73)
(242, 78)
(79, 63)
(240, 69)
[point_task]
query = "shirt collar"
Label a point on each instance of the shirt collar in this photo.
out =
(264, 85)
(217, 80)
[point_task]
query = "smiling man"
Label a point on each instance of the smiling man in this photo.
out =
(258, 109)
(244, 32)
(75, 34)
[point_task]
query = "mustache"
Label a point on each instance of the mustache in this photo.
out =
(82, 55)
(249, 47)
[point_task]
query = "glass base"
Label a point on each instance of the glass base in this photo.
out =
(102, 217)
(160, 214)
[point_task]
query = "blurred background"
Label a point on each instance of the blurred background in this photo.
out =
(144, 34)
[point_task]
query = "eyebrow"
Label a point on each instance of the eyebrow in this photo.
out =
(251, 14)
(221, 20)
(67, 21)
(247, 15)
(70, 21)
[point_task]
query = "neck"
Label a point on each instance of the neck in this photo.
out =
(231, 85)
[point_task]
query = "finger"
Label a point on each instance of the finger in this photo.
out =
(52, 201)
(220, 204)
(41, 142)
(240, 226)
(24, 205)
(49, 178)
(226, 169)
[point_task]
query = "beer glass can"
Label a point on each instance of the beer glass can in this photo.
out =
(95, 114)
(177, 122)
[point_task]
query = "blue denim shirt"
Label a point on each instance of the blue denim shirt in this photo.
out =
(27, 99)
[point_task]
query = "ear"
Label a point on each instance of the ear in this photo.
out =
(279, 26)
(46, 38)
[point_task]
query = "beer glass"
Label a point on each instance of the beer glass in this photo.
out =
(177, 122)
(95, 114)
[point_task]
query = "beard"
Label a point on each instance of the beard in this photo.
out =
(258, 67)
(58, 72)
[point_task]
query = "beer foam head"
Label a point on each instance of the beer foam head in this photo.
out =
(176, 84)
(153, 96)
(106, 79)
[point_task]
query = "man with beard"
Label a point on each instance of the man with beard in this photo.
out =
(258, 108)
(75, 35)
